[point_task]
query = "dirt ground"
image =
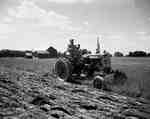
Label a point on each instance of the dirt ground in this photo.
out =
(28, 90)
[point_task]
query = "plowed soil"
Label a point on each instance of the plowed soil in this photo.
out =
(38, 94)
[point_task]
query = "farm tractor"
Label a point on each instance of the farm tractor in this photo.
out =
(79, 67)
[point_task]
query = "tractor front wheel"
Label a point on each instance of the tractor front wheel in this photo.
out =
(98, 82)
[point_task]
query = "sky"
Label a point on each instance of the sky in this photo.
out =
(121, 25)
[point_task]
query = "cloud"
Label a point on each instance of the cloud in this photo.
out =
(113, 36)
(144, 37)
(141, 33)
(5, 4)
(5, 29)
(71, 1)
(30, 23)
(29, 13)
(86, 23)
(147, 37)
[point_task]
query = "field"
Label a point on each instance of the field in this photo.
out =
(29, 91)
(137, 70)
(29, 65)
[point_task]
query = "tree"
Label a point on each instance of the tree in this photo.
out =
(137, 54)
(52, 51)
(148, 54)
(118, 54)
(11, 53)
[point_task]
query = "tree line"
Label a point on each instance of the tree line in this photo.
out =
(133, 54)
(51, 52)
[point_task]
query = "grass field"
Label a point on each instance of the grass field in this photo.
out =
(137, 70)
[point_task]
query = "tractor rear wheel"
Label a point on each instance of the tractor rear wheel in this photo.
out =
(63, 69)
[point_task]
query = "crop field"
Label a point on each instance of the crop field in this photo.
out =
(137, 70)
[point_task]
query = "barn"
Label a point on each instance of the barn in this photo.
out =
(42, 54)
(28, 54)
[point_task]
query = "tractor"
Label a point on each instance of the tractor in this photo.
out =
(76, 67)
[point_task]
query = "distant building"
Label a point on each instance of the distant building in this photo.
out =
(28, 54)
(42, 54)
